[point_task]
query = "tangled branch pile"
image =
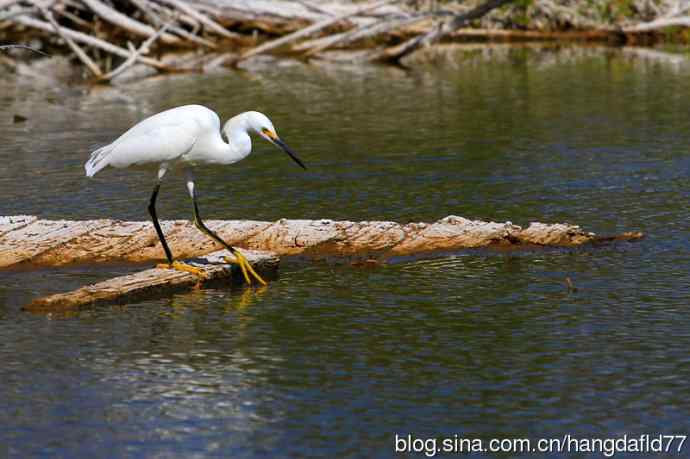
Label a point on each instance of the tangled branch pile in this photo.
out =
(108, 37)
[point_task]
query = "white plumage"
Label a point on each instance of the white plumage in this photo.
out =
(189, 134)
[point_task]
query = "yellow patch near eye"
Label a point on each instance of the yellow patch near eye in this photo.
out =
(269, 133)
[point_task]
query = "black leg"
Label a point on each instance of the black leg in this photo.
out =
(205, 229)
(159, 231)
(239, 258)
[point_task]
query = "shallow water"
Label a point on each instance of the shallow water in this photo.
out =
(331, 360)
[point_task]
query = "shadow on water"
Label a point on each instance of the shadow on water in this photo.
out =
(333, 360)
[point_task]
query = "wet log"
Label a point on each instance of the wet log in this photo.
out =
(27, 239)
(157, 282)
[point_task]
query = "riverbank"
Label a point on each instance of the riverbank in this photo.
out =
(173, 36)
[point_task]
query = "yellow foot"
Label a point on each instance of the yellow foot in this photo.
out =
(245, 267)
(181, 266)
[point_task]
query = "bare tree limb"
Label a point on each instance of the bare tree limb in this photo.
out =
(23, 47)
(364, 31)
(73, 17)
(163, 11)
(80, 37)
(310, 6)
(13, 14)
(156, 19)
(396, 53)
(309, 30)
(7, 3)
(143, 49)
(86, 60)
(120, 20)
(211, 24)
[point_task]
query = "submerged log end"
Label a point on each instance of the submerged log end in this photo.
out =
(565, 235)
(559, 234)
(156, 282)
(627, 236)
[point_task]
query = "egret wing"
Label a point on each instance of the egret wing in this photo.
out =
(160, 144)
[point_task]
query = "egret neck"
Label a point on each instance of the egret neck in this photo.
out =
(239, 145)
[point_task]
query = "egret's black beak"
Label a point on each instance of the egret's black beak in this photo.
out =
(276, 140)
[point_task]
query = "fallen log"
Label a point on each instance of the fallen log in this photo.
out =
(157, 282)
(27, 239)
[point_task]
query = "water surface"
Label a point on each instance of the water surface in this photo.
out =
(332, 360)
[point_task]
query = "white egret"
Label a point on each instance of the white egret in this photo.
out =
(187, 136)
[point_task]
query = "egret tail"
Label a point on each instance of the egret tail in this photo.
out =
(97, 161)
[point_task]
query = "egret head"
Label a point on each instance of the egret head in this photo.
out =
(259, 123)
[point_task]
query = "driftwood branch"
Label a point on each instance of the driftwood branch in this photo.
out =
(305, 32)
(16, 13)
(7, 3)
(60, 9)
(315, 8)
(361, 32)
(135, 53)
(90, 64)
(396, 53)
(162, 11)
(156, 19)
(157, 282)
(209, 23)
(125, 22)
(23, 47)
(25, 239)
(301, 23)
(80, 37)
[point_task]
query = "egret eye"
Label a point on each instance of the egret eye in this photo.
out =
(269, 133)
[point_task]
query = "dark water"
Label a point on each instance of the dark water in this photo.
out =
(333, 361)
